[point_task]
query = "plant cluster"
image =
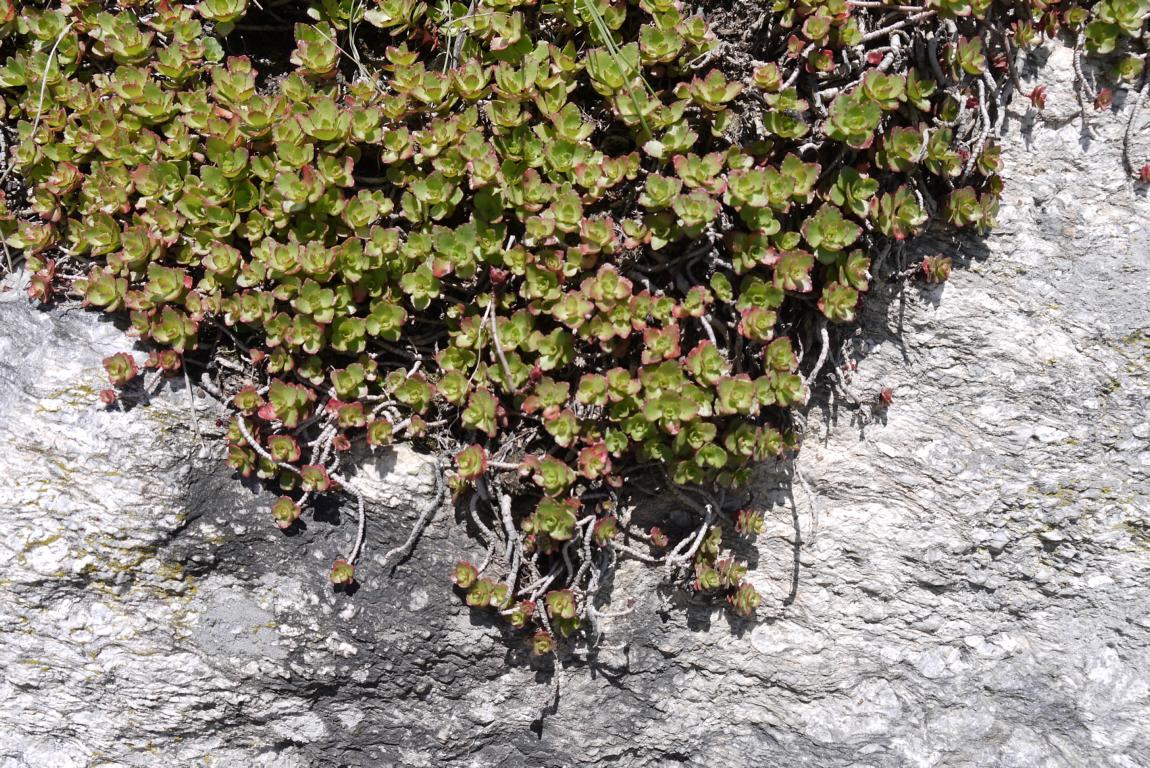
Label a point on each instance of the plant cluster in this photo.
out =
(553, 238)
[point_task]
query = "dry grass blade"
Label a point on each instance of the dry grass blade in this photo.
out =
(608, 38)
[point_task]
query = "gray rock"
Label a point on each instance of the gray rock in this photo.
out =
(970, 585)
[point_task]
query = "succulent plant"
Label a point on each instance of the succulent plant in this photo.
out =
(749, 522)
(342, 573)
(542, 643)
(465, 575)
(479, 593)
(285, 512)
(121, 368)
(223, 12)
(314, 478)
(472, 462)
(936, 269)
(553, 518)
(744, 600)
(565, 257)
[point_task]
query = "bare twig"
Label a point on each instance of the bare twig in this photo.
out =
(259, 449)
(7, 255)
(1011, 63)
(884, 31)
(541, 613)
(206, 385)
(641, 557)
(514, 545)
(540, 585)
(457, 47)
(486, 535)
(487, 558)
(678, 557)
(585, 532)
(4, 161)
(886, 6)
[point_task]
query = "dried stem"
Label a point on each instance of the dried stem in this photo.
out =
(884, 31)
(983, 131)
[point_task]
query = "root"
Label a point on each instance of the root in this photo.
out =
(541, 612)
(824, 339)
(1128, 136)
(192, 403)
(361, 530)
(1082, 91)
(679, 558)
(814, 503)
(403, 551)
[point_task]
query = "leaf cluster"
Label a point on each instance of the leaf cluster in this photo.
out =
(546, 237)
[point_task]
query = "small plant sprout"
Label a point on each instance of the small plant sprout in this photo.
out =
(121, 368)
(744, 600)
(285, 512)
(247, 401)
(380, 432)
(480, 593)
(749, 522)
(465, 575)
(342, 573)
(314, 478)
(471, 462)
(605, 531)
(658, 538)
(521, 614)
(542, 643)
(936, 269)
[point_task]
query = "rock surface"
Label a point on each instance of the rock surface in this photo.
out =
(962, 579)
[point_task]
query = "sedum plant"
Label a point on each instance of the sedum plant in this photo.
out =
(565, 244)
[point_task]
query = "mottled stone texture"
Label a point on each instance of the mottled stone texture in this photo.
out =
(971, 589)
